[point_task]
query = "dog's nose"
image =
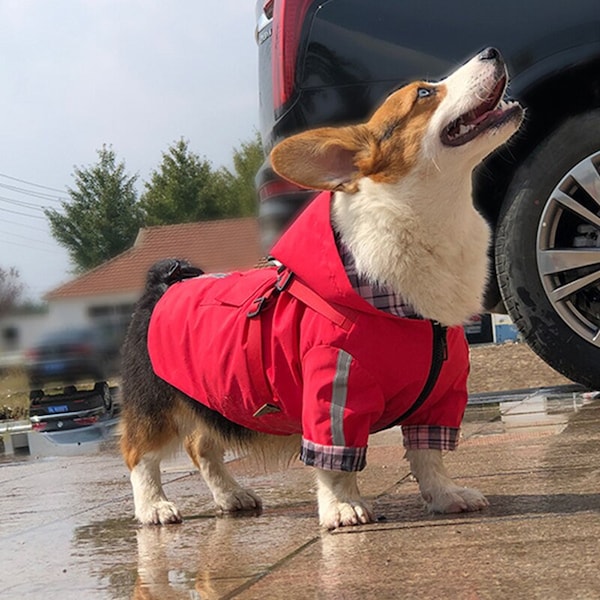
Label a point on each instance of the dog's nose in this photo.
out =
(489, 54)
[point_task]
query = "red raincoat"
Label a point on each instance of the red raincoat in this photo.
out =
(313, 358)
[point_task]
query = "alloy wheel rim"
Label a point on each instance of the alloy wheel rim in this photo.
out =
(568, 248)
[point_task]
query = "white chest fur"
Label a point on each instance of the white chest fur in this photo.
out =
(425, 242)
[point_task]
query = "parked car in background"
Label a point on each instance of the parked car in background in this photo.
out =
(71, 355)
(331, 62)
(70, 409)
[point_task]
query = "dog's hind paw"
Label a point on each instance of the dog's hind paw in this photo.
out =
(162, 512)
(456, 499)
(342, 514)
(238, 499)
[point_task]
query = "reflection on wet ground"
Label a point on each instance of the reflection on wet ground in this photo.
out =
(538, 412)
(68, 530)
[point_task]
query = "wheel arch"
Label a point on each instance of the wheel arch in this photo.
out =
(549, 100)
(559, 92)
(552, 331)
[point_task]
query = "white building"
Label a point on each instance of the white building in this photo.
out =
(106, 294)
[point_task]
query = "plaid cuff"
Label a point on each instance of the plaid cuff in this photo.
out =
(419, 437)
(333, 458)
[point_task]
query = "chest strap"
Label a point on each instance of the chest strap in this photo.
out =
(286, 282)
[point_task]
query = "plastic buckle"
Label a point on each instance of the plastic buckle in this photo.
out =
(260, 304)
(283, 280)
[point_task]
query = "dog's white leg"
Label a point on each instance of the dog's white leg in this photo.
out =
(151, 504)
(439, 491)
(339, 500)
(229, 496)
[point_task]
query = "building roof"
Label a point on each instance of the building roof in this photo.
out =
(214, 246)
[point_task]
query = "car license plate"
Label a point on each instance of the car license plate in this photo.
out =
(60, 408)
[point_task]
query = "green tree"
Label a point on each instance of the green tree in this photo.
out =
(238, 188)
(183, 188)
(103, 216)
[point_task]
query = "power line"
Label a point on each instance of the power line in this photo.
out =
(21, 203)
(30, 227)
(16, 212)
(41, 195)
(27, 238)
(45, 187)
(51, 250)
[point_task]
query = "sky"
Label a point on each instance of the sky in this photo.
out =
(134, 74)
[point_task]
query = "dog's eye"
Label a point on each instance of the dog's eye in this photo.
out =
(423, 92)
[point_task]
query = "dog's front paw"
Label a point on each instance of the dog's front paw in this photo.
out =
(340, 503)
(455, 499)
(342, 514)
(162, 512)
(237, 499)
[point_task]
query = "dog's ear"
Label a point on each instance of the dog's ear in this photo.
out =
(329, 158)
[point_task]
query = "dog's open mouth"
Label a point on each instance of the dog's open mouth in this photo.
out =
(492, 112)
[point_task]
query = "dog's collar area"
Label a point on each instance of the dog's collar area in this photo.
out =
(380, 297)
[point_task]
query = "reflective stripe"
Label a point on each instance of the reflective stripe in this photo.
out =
(338, 398)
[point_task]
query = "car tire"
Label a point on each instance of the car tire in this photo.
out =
(102, 388)
(548, 249)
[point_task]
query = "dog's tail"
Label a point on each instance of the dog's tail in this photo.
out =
(169, 271)
(136, 370)
(160, 276)
(144, 396)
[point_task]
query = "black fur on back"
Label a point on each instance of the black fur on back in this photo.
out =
(143, 392)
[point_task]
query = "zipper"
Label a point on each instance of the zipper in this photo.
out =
(439, 355)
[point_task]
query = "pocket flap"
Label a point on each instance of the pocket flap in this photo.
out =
(244, 288)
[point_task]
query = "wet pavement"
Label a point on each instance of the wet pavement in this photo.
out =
(67, 529)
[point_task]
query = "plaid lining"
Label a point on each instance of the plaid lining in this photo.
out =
(380, 297)
(434, 437)
(341, 458)
(333, 458)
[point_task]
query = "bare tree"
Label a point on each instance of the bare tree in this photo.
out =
(10, 289)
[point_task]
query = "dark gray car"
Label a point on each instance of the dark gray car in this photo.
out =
(326, 63)
(70, 355)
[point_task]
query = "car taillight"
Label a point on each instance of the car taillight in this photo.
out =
(82, 349)
(277, 188)
(32, 354)
(288, 18)
(268, 8)
(86, 420)
(36, 426)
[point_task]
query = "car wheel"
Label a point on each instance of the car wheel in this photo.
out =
(102, 388)
(548, 249)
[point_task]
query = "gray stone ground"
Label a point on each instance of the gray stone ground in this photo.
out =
(67, 530)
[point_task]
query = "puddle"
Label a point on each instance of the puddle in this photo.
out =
(537, 412)
(72, 442)
(541, 412)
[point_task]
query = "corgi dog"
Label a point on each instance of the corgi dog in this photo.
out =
(355, 325)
